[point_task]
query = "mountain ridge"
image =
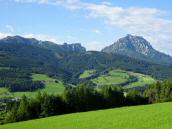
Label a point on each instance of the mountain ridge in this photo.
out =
(73, 47)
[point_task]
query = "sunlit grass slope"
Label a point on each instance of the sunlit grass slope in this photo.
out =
(117, 77)
(52, 86)
(156, 116)
(87, 73)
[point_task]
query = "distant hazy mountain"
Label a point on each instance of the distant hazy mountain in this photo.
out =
(139, 48)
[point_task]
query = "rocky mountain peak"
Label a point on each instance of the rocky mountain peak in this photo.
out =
(75, 47)
(130, 43)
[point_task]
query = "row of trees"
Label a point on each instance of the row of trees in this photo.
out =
(26, 85)
(77, 99)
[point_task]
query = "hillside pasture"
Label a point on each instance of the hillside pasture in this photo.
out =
(52, 86)
(119, 77)
(156, 116)
(87, 73)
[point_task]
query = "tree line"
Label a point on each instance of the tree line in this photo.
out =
(84, 98)
(78, 99)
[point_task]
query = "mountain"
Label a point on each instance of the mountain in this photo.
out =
(67, 61)
(36, 55)
(139, 48)
(75, 47)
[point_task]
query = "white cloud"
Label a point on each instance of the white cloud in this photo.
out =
(10, 28)
(42, 37)
(106, 3)
(94, 45)
(96, 31)
(70, 4)
(3, 35)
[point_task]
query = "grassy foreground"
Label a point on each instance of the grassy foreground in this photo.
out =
(156, 116)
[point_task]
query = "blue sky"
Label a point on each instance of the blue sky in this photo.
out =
(94, 23)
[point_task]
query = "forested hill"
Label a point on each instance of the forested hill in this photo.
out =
(68, 60)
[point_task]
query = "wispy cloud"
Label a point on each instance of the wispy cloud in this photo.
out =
(70, 4)
(10, 28)
(94, 45)
(97, 31)
(3, 35)
(43, 37)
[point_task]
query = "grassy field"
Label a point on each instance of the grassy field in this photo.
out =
(113, 77)
(52, 86)
(117, 77)
(142, 80)
(156, 116)
(87, 73)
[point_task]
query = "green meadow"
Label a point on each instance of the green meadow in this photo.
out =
(142, 80)
(52, 86)
(156, 116)
(87, 73)
(113, 77)
(117, 77)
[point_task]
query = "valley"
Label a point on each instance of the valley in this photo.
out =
(112, 78)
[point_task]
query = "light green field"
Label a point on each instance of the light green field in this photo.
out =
(117, 77)
(156, 116)
(113, 77)
(87, 73)
(142, 80)
(51, 87)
